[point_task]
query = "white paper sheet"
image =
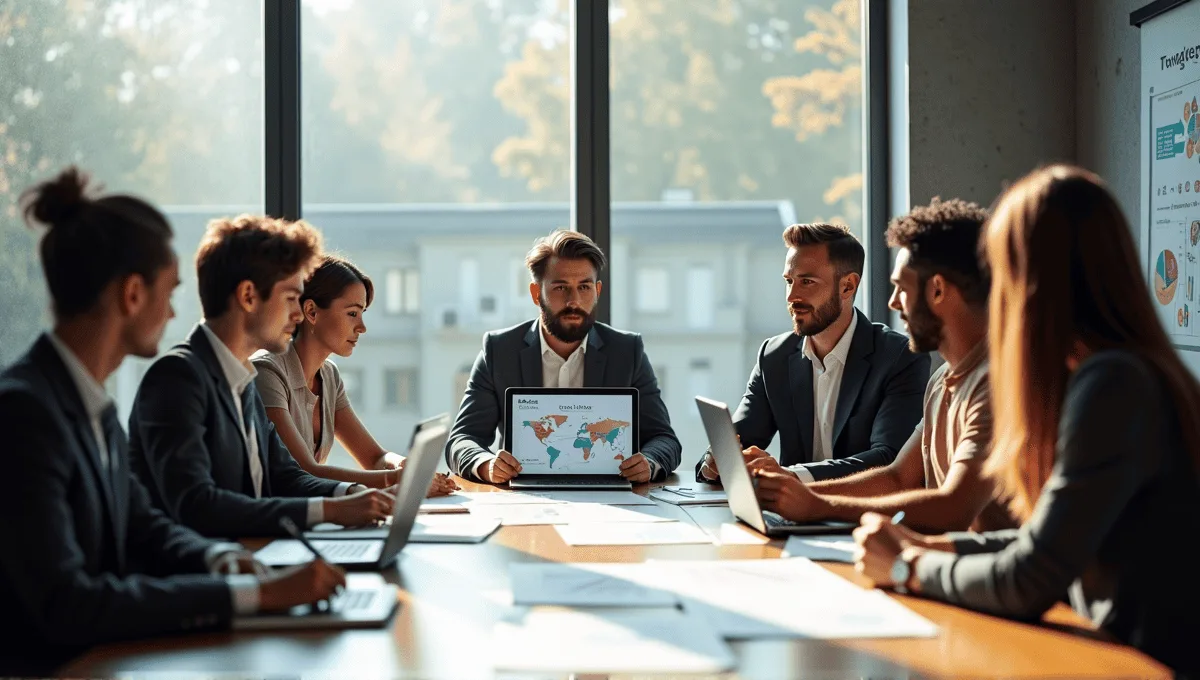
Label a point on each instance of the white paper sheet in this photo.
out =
(586, 585)
(568, 513)
(452, 529)
(613, 641)
(688, 497)
(821, 548)
(744, 599)
(601, 497)
(474, 498)
(630, 533)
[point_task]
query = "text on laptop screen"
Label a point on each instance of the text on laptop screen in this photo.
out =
(581, 434)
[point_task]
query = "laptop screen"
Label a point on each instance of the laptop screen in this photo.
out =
(577, 432)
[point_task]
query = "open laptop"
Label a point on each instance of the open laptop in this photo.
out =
(739, 486)
(372, 548)
(570, 438)
(366, 602)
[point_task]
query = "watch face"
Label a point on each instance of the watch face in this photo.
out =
(900, 571)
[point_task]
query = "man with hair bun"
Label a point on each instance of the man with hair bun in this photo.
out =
(87, 558)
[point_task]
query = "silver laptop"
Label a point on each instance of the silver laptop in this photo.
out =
(739, 487)
(366, 602)
(373, 548)
(571, 438)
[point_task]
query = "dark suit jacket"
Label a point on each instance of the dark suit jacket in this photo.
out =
(72, 532)
(513, 358)
(878, 407)
(186, 445)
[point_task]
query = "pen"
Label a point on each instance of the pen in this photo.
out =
(898, 518)
(290, 527)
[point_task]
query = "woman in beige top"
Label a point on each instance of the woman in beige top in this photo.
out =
(303, 391)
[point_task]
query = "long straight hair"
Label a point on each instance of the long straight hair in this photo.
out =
(1065, 275)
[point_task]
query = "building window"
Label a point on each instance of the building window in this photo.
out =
(400, 388)
(352, 381)
(700, 380)
(653, 290)
(403, 291)
(701, 297)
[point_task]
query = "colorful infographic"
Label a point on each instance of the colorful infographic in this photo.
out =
(1174, 252)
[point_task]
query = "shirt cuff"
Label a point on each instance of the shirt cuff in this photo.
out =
(803, 473)
(654, 468)
(478, 464)
(316, 511)
(243, 589)
(219, 553)
(342, 489)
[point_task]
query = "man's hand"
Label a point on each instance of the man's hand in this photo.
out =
(442, 485)
(784, 493)
(879, 544)
(635, 468)
(708, 468)
(500, 469)
(757, 459)
(361, 508)
(302, 584)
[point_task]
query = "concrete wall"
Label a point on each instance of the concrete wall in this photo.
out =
(990, 94)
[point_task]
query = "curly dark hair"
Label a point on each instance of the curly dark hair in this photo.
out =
(943, 238)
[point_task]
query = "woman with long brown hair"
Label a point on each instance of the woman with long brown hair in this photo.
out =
(1097, 435)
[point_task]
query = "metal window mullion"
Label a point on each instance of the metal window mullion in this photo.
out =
(281, 77)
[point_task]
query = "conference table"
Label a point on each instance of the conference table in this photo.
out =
(451, 596)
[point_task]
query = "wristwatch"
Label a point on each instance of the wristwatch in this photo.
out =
(901, 572)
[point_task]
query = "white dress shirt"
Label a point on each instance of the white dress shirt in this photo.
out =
(827, 385)
(96, 400)
(240, 375)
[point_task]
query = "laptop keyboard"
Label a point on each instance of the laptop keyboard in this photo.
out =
(340, 550)
(775, 520)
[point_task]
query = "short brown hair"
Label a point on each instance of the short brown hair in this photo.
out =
(563, 244)
(259, 249)
(845, 252)
(943, 238)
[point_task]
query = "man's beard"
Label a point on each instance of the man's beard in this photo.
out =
(924, 328)
(553, 323)
(820, 318)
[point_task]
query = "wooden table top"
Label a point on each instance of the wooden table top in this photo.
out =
(452, 595)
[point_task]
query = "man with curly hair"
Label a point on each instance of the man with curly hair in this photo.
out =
(940, 290)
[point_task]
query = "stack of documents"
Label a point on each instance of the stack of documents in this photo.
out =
(683, 495)
(569, 513)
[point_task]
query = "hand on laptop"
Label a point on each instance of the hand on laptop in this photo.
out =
(302, 584)
(635, 468)
(359, 509)
(442, 485)
(500, 469)
(783, 493)
(757, 459)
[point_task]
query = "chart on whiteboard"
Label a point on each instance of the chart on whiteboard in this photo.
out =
(1174, 252)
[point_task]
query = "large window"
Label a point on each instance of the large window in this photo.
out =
(730, 119)
(437, 140)
(162, 99)
(435, 147)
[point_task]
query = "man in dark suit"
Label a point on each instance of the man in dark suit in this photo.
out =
(564, 347)
(842, 393)
(200, 438)
(87, 559)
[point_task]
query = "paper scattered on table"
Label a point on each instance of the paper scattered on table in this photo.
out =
(586, 585)
(822, 548)
(679, 495)
(744, 599)
(474, 498)
(631, 533)
(455, 502)
(601, 497)
(569, 513)
(452, 529)
(731, 533)
(614, 641)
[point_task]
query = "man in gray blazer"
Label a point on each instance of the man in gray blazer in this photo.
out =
(564, 347)
(843, 394)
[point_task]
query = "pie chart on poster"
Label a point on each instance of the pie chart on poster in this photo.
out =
(1166, 277)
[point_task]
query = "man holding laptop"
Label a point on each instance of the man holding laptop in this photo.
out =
(590, 364)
